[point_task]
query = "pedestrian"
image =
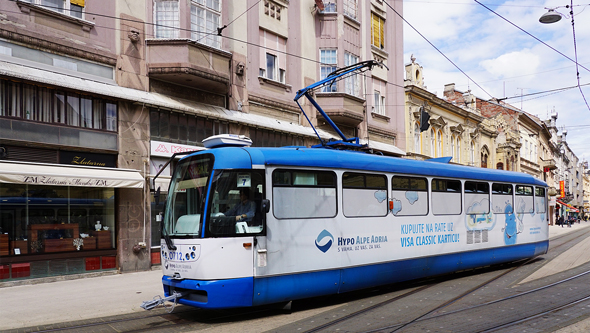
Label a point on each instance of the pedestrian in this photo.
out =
(560, 221)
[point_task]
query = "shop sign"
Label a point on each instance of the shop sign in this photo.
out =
(88, 159)
(167, 149)
(62, 181)
(562, 188)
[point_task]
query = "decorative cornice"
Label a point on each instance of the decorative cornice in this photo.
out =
(263, 80)
(71, 49)
(272, 103)
(185, 41)
(380, 116)
(381, 131)
(188, 70)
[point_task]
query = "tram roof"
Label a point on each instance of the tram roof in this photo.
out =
(226, 158)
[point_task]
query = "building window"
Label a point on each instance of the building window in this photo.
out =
(272, 10)
(432, 143)
(271, 67)
(205, 19)
(40, 104)
(327, 66)
(417, 137)
(329, 7)
(273, 56)
(377, 31)
(379, 103)
(167, 19)
(352, 82)
(184, 129)
(73, 8)
(472, 153)
(439, 142)
(453, 148)
(458, 149)
(350, 8)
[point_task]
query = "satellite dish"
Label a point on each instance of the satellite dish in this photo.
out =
(320, 5)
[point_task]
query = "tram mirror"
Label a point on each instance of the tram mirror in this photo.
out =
(265, 206)
(157, 196)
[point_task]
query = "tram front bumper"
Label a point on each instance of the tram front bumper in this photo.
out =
(214, 294)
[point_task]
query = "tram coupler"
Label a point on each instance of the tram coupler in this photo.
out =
(158, 300)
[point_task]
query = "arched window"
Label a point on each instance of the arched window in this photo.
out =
(500, 166)
(458, 149)
(417, 143)
(484, 156)
(453, 148)
(439, 142)
(432, 143)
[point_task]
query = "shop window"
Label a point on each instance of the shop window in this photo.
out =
(183, 129)
(47, 219)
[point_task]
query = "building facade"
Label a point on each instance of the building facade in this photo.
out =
(97, 96)
(455, 129)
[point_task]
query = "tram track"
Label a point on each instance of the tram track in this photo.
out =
(199, 319)
(424, 317)
(445, 304)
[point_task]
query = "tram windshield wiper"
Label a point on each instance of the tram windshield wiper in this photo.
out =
(168, 240)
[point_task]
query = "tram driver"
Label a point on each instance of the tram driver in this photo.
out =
(243, 210)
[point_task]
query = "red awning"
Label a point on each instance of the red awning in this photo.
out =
(572, 208)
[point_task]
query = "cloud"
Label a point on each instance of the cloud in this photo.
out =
(513, 62)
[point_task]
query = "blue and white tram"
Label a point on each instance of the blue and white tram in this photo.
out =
(248, 226)
(330, 221)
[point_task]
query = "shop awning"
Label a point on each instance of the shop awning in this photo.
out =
(572, 208)
(68, 175)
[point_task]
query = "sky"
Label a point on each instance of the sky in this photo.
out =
(503, 61)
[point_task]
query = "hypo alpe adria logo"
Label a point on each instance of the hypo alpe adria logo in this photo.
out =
(322, 239)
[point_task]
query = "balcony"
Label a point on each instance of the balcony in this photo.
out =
(188, 63)
(548, 164)
(343, 109)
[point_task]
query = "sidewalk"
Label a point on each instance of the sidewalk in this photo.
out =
(110, 295)
(64, 301)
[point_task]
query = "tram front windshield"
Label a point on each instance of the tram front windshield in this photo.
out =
(187, 194)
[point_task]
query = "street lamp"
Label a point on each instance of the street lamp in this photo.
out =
(550, 17)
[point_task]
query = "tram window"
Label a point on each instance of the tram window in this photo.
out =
(502, 198)
(304, 194)
(446, 197)
(364, 195)
(540, 201)
(409, 196)
(524, 199)
(477, 198)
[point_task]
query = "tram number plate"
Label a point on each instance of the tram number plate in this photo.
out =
(244, 180)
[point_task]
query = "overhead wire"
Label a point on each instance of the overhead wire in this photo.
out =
(436, 48)
(295, 55)
(576, 54)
